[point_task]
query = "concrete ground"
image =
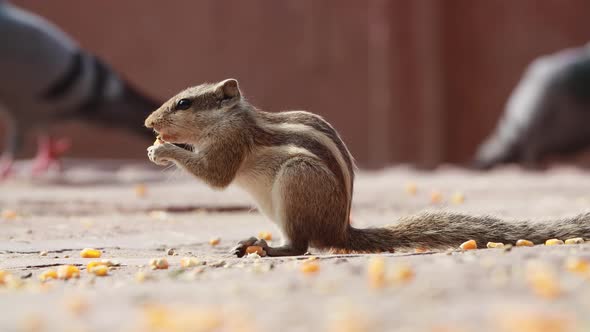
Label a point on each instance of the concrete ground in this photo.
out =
(97, 204)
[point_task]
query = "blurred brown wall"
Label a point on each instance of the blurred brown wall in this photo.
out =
(419, 81)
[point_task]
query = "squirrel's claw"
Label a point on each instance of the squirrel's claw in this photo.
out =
(240, 249)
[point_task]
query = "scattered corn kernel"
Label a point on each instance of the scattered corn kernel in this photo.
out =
(256, 249)
(214, 241)
(458, 198)
(402, 274)
(9, 214)
(420, 250)
(48, 274)
(524, 243)
(94, 264)
(310, 267)
(3, 276)
(469, 245)
(495, 245)
(535, 322)
(543, 282)
(141, 277)
(158, 141)
(66, 272)
(43, 253)
(100, 270)
(158, 264)
(376, 272)
(553, 242)
(190, 262)
(140, 190)
(576, 240)
(265, 236)
(577, 265)
(90, 253)
(436, 197)
(411, 188)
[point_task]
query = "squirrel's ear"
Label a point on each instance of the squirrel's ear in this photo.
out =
(228, 89)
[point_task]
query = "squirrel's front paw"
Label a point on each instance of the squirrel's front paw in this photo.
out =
(159, 154)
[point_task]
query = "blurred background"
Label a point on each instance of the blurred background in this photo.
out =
(421, 81)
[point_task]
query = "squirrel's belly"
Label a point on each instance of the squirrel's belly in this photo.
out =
(261, 190)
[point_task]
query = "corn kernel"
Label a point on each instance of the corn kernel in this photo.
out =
(158, 141)
(93, 264)
(553, 242)
(100, 270)
(48, 274)
(9, 214)
(66, 272)
(256, 249)
(469, 245)
(141, 277)
(543, 282)
(190, 262)
(376, 272)
(535, 322)
(458, 198)
(402, 274)
(140, 190)
(577, 265)
(310, 267)
(158, 264)
(524, 243)
(3, 276)
(411, 188)
(495, 245)
(214, 241)
(436, 197)
(265, 236)
(90, 253)
(576, 240)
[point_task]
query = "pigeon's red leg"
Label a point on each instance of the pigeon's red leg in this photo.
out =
(48, 153)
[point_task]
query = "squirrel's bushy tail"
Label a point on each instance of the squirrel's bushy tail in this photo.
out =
(441, 230)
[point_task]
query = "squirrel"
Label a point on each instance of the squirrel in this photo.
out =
(300, 173)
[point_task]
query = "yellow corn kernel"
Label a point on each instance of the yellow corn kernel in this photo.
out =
(436, 197)
(495, 245)
(214, 241)
(458, 198)
(376, 272)
(420, 250)
(158, 141)
(469, 245)
(536, 322)
(265, 236)
(9, 214)
(48, 274)
(310, 267)
(411, 188)
(140, 190)
(257, 250)
(577, 265)
(543, 282)
(402, 274)
(553, 242)
(524, 243)
(66, 272)
(100, 270)
(3, 276)
(576, 240)
(94, 264)
(90, 253)
(189, 262)
(158, 264)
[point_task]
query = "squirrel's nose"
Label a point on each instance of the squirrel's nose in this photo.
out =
(149, 122)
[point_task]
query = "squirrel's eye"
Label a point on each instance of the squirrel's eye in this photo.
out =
(183, 104)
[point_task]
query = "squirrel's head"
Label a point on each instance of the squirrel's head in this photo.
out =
(184, 117)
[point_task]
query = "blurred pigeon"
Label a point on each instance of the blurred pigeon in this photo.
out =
(548, 112)
(46, 77)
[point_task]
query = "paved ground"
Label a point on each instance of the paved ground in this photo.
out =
(96, 205)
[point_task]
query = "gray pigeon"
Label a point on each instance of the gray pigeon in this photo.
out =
(46, 77)
(548, 112)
